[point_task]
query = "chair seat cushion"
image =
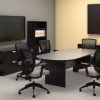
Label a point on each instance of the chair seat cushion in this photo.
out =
(92, 72)
(36, 72)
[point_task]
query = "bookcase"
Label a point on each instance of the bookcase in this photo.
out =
(36, 31)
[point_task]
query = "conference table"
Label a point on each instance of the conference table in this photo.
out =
(59, 61)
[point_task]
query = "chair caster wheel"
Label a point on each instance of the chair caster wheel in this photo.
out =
(48, 92)
(94, 94)
(16, 79)
(19, 92)
(80, 89)
(34, 96)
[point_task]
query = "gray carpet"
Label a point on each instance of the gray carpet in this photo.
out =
(9, 88)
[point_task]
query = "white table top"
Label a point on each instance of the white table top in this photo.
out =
(68, 54)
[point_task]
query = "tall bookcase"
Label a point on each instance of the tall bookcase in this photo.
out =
(36, 31)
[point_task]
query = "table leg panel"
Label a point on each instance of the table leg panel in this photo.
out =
(57, 74)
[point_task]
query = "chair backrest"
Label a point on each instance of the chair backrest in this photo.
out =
(45, 46)
(19, 47)
(89, 43)
(25, 56)
(28, 61)
(97, 60)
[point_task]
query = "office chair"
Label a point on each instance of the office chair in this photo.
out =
(89, 43)
(32, 71)
(45, 46)
(86, 44)
(94, 74)
(18, 47)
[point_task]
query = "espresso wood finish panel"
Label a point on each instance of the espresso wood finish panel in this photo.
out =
(7, 65)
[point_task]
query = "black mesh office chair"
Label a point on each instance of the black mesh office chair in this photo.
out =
(45, 46)
(23, 46)
(32, 71)
(94, 74)
(88, 43)
(18, 48)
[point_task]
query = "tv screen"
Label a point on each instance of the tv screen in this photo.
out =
(12, 28)
(94, 19)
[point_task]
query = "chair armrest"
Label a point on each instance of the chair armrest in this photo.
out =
(86, 65)
(41, 72)
(86, 70)
(42, 65)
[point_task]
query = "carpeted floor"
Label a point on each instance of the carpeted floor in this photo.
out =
(9, 88)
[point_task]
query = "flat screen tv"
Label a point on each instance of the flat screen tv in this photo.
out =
(12, 28)
(94, 19)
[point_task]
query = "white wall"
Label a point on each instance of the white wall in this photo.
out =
(34, 10)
